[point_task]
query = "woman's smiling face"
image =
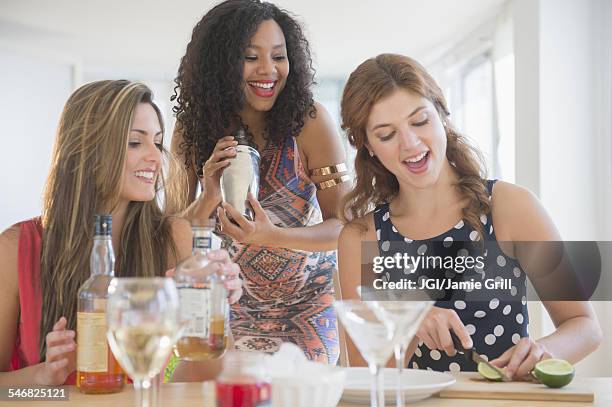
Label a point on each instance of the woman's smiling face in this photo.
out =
(405, 132)
(266, 66)
(143, 157)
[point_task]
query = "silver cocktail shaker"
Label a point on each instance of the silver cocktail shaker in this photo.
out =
(242, 175)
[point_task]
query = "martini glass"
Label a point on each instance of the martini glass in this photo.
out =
(403, 312)
(372, 337)
(405, 317)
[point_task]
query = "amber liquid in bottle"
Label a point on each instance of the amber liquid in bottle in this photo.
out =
(203, 298)
(111, 381)
(195, 348)
(97, 369)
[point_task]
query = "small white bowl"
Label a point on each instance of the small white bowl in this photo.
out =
(321, 387)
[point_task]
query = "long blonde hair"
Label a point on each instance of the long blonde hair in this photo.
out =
(373, 80)
(85, 178)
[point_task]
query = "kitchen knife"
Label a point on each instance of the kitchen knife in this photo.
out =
(473, 355)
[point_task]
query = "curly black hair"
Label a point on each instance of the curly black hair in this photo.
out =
(208, 89)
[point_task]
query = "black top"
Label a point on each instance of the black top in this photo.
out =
(495, 324)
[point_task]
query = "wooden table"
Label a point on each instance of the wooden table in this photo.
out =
(196, 394)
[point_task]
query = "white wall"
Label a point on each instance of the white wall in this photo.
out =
(34, 87)
(558, 129)
(568, 184)
(560, 70)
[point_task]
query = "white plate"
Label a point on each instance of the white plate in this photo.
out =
(417, 384)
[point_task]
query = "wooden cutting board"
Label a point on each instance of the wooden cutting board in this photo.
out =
(473, 386)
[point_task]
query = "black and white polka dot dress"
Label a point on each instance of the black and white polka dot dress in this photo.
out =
(495, 324)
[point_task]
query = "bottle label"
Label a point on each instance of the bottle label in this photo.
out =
(92, 348)
(202, 243)
(195, 308)
(99, 304)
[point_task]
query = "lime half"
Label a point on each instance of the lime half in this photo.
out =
(554, 372)
(488, 372)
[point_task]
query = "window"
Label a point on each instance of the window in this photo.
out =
(471, 106)
(481, 100)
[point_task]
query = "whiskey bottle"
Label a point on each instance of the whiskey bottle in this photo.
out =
(97, 369)
(203, 298)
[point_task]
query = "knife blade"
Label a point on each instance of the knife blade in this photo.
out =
(473, 355)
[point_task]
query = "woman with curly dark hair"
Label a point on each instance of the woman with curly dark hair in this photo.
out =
(248, 65)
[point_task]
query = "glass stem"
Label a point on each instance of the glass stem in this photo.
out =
(143, 393)
(400, 356)
(377, 389)
(155, 391)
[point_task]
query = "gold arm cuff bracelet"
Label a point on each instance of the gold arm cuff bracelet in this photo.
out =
(332, 182)
(332, 169)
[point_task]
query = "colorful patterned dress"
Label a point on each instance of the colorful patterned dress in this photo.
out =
(288, 294)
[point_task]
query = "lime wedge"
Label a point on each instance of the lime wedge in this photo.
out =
(488, 372)
(554, 372)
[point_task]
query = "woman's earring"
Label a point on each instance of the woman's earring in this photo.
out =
(371, 153)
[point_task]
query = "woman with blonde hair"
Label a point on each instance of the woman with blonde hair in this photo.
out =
(107, 158)
(428, 190)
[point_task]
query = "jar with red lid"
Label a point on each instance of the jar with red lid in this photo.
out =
(244, 381)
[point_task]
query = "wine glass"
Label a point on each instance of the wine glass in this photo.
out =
(143, 325)
(372, 337)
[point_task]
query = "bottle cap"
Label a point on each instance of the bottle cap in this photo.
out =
(103, 225)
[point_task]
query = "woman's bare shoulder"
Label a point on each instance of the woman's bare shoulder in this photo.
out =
(361, 228)
(519, 215)
(9, 247)
(9, 241)
(180, 230)
(320, 140)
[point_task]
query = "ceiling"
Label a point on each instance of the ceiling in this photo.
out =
(149, 37)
